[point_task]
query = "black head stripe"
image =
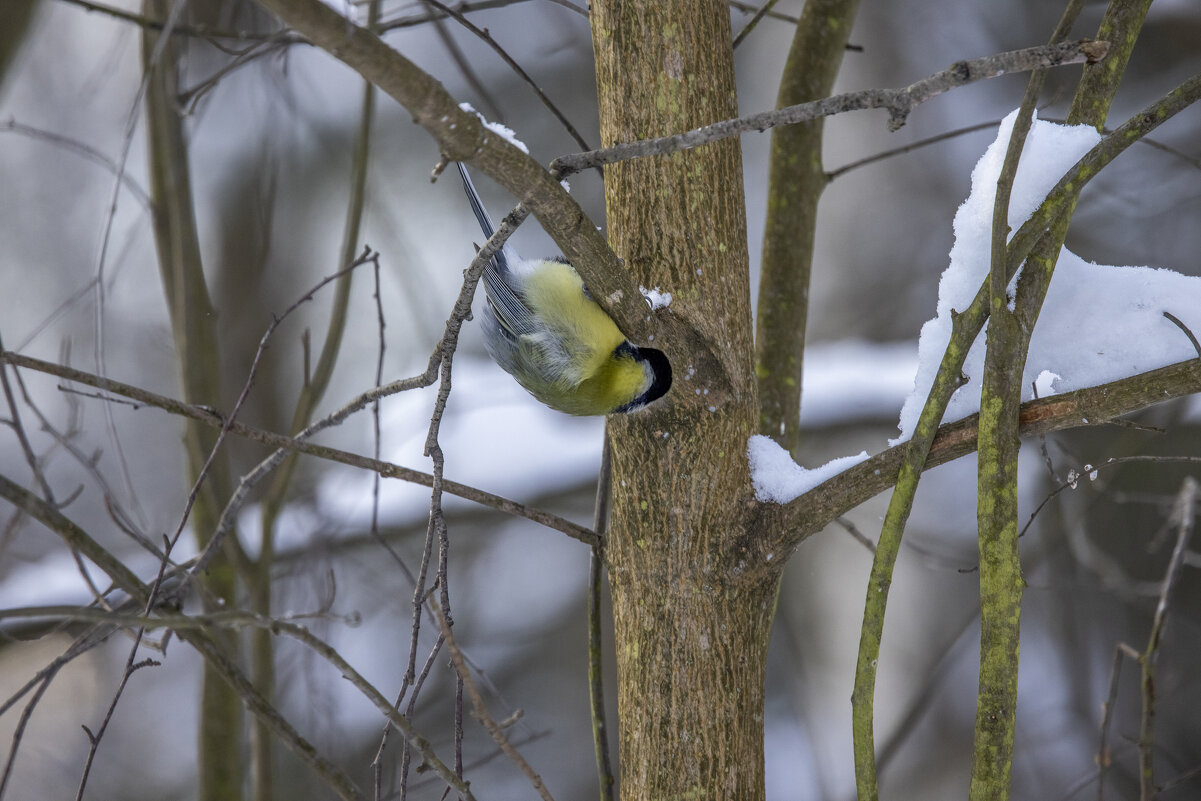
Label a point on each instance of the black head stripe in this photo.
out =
(661, 368)
(660, 374)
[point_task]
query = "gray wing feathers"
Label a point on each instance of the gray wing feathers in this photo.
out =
(514, 317)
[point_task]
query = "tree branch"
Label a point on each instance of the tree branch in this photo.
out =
(899, 102)
(213, 418)
(215, 656)
(796, 180)
(195, 632)
(462, 136)
(486, 37)
(827, 504)
(787, 526)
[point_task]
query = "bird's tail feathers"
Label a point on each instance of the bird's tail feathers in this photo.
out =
(501, 260)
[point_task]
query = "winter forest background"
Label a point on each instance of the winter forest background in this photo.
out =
(271, 143)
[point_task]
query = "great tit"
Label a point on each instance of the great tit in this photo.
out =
(544, 329)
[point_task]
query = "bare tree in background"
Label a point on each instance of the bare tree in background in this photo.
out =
(694, 560)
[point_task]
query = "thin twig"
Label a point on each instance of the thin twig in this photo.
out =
(481, 712)
(1089, 471)
(983, 126)
(924, 701)
(81, 645)
(469, 74)
(491, 755)
(483, 34)
(1104, 758)
(449, 341)
(1042, 441)
(437, 523)
(909, 148)
(151, 62)
(14, 423)
(855, 533)
(749, 8)
(1187, 776)
(211, 547)
(407, 755)
(147, 23)
(899, 102)
(759, 14)
(1183, 514)
(377, 764)
(190, 98)
(94, 738)
(1187, 331)
(233, 619)
(596, 680)
(213, 418)
(85, 150)
(427, 17)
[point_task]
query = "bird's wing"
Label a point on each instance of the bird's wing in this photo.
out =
(507, 305)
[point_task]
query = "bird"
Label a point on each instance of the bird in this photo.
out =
(542, 327)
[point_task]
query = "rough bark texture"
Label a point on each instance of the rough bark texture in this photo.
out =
(691, 626)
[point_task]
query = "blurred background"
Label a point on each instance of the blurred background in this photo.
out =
(270, 151)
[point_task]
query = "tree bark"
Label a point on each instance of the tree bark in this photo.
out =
(691, 624)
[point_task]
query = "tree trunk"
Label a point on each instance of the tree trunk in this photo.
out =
(691, 620)
(796, 180)
(194, 329)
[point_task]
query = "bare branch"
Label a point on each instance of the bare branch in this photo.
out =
(81, 645)
(213, 418)
(14, 422)
(84, 150)
(76, 537)
(1093, 406)
(1192, 338)
(759, 14)
(909, 148)
(151, 24)
(165, 618)
(899, 102)
(483, 34)
(967, 324)
(1103, 755)
(401, 722)
(738, 5)
(481, 712)
(1183, 513)
(596, 684)
(462, 136)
